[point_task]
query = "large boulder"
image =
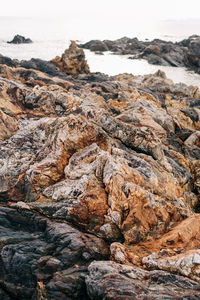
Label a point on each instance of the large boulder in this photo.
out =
(72, 61)
(19, 39)
(96, 45)
(8, 61)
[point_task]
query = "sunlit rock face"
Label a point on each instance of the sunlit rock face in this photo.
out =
(72, 61)
(98, 168)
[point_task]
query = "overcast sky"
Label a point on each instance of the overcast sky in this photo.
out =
(104, 9)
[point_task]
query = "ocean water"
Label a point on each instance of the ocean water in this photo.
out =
(52, 36)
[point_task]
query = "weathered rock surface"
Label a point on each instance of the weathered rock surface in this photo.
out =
(19, 39)
(72, 61)
(71, 64)
(108, 280)
(41, 259)
(93, 168)
(181, 54)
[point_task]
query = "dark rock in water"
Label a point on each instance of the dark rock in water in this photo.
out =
(156, 60)
(19, 39)
(193, 43)
(96, 45)
(8, 61)
(158, 52)
(99, 52)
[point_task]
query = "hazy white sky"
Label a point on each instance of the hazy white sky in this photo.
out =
(104, 9)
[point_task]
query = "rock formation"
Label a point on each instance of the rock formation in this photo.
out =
(19, 39)
(181, 54)
(99, 185)
(72, 62)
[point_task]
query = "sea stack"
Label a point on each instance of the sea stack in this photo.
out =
(72, 61)
(19, 39)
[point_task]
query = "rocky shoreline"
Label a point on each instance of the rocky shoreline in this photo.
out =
(99, 183)
(185, 53)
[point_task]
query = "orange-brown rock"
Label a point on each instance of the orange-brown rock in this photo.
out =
(10, 112)
(115, 157)
(72, 61)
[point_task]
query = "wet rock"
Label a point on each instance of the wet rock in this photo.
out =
(19, 39)
(182, 54)
(96, 45)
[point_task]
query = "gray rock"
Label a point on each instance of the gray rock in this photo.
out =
(19, 39)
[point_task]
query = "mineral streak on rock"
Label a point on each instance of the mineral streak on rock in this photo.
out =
(108, 280)
(97, 168)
